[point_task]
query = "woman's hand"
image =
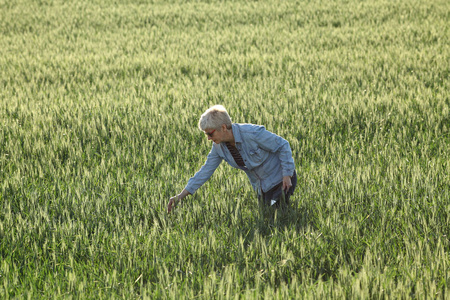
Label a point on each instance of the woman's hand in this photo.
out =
(287, 183)
(172, 203)
(175, 200)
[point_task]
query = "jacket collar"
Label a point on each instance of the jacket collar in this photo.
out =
(236, 133)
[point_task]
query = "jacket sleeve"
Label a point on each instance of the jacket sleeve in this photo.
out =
(213, 160)
(271, 142)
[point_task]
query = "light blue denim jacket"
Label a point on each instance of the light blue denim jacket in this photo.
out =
(267, 157)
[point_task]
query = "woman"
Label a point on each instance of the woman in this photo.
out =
(265, 157)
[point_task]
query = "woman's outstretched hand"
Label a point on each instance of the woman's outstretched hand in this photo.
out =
(176, 199)
(172, 203)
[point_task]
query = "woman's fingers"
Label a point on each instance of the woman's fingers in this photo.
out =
(172, 203)
(287, 183)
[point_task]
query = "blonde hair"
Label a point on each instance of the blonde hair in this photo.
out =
(214, 117)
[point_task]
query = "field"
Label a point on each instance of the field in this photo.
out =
(99, 104)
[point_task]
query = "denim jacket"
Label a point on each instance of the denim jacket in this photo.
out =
(267, 157)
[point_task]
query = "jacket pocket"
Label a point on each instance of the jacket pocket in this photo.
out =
(256, 155)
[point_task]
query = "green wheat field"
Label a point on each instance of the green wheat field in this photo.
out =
(99, 104)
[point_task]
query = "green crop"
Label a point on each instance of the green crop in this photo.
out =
(99, 104)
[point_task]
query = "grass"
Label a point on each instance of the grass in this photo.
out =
(99, 105)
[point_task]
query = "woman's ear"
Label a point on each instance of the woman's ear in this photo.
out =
(224, 127)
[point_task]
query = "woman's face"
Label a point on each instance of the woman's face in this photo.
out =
(215, 135)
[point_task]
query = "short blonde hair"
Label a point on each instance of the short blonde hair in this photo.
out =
(214, 117)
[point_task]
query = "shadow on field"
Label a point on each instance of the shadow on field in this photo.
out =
(291, 216)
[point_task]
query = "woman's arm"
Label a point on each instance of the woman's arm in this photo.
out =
(212, 162)
(271, 142)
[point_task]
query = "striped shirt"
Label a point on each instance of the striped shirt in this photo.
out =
(236, 155)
